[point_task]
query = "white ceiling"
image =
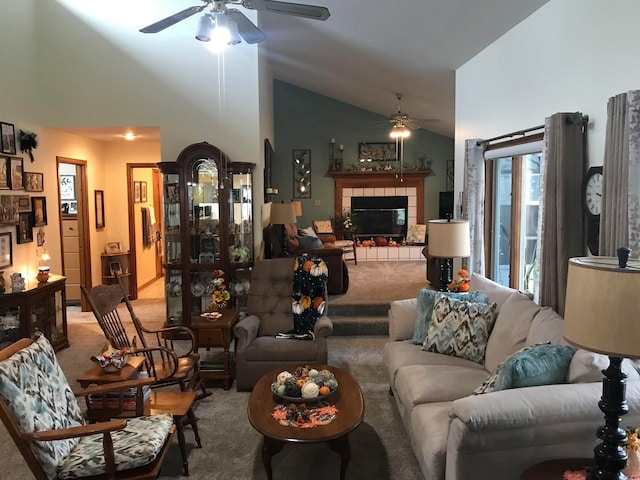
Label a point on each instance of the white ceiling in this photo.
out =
(369, 49)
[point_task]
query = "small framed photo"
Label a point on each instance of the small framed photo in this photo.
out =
(67, 187)
(99, 197)
(416, 234)
(136, 192)
(39, 211)
(24, 229)
(4, 173)
(171, 192)
(9, 210)
(8, 132)
(112, 247)
(33, 182)
(143, 192)
(24, 203)
(6, 250)
(115, 268)
(16, 173)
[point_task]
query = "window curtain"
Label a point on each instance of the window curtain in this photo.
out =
(561, 227)
(473, 202)
(620, 214)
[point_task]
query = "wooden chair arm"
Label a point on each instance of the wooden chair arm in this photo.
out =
(109, 387)
(176, 329)
(171, 356)
(74, 432)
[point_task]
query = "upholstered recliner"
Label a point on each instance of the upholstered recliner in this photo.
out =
(338, 282)
(269, 312)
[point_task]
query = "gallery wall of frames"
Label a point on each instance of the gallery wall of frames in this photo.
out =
(22, 201)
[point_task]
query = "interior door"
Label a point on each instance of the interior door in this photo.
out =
(74, 230)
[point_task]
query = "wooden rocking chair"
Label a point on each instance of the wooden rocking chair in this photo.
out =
(54, 438)
(164, 361)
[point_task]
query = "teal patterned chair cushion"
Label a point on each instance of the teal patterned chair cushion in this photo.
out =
(424, 310)
(460, 328)
(39, 398)
(539, 364)
(138, 444)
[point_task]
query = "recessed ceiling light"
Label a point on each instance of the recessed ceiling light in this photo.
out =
(130, 136)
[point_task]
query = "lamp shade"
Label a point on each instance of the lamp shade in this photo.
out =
(449, 238)
(282, 213)
(602, 309)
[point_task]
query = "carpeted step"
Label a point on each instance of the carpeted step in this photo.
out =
(358, 309)
(359, 326)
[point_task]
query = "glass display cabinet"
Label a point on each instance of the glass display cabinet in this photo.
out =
(208, 225)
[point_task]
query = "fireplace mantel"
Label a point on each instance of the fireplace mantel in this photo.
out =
(381, 179)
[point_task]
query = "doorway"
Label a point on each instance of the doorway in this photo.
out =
(145, 212)
(74, 230)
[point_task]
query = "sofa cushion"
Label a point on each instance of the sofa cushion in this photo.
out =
(323, 226)
(511, 329)
(307, 241)
(531, 366)
(547, 326)
(417, 384)
(588, 366)
(307, 232)
(291, 232)
(497, 293)
(429, 433)
(460, 328)
(424, 310)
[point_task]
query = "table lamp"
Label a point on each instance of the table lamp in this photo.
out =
(282, 214)
(448, 239)
(601, 315)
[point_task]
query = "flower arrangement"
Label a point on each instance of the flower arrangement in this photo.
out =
(632, 443)
(461, 284)
(220, 294)
(345, 222)
(239, 254)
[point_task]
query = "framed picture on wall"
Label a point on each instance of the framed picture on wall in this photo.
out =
(16, 173)
(8, 133)
(136, 192)
(112, 247)
(6, 250)
(5, 183)
(24, 229)
(99, 198)
(39, 211)
(24, 203)
(33, 182)
(143, 192)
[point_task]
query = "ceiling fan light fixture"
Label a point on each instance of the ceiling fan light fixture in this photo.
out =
(220, 35)
(233, 31)
(399, 131)
(205, 27)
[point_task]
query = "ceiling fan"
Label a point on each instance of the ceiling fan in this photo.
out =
(234, 19)
(401, 120)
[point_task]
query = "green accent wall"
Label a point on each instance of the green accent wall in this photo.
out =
(306, 120)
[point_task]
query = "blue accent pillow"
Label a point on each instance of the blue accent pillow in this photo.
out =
(308, 242)
(540, 364)
(424, 310)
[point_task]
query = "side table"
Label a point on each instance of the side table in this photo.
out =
(553, 469)
(217, 334)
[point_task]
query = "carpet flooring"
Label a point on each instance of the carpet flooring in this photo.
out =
(232, 449)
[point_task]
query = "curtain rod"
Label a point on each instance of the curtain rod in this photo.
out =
(512, 134)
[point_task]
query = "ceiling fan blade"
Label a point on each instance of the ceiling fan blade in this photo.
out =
(172, 20)
(247, 30)
(411, 124)
(298, 9)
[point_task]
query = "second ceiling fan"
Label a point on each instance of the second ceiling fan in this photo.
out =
(402, 122)
(234, 20)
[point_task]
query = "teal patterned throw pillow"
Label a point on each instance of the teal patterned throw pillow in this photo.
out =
(460, 328)
(424, 310)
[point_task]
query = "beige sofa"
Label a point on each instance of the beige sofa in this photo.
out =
(458, 435)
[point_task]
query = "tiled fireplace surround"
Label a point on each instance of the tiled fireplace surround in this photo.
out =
(384, 185)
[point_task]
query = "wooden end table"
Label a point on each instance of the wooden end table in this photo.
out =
(553, 469)
(348, 399)
(217, 334)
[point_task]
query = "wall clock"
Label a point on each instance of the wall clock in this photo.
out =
(592, 201)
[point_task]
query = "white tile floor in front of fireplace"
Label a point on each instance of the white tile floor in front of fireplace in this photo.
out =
(390, 254)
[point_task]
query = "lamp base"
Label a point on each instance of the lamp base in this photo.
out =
(446, 267)
(610, 456)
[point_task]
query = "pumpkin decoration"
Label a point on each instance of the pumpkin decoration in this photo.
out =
(380, 242)
(308, 265)
(297, 307)
(318, 269)
(305, 302)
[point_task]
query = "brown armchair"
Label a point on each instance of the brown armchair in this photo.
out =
(269, 312)
(276, 246)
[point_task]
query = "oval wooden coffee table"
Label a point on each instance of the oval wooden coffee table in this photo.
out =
(347, 399)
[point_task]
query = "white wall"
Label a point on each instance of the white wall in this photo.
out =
(571, 55)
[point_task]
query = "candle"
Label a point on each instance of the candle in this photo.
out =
(333, 140)
(341, 147)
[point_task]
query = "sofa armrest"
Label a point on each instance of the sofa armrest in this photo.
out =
(323, 327)
(319, 252)
(246, 330)
(402, 318)
(532, 406)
